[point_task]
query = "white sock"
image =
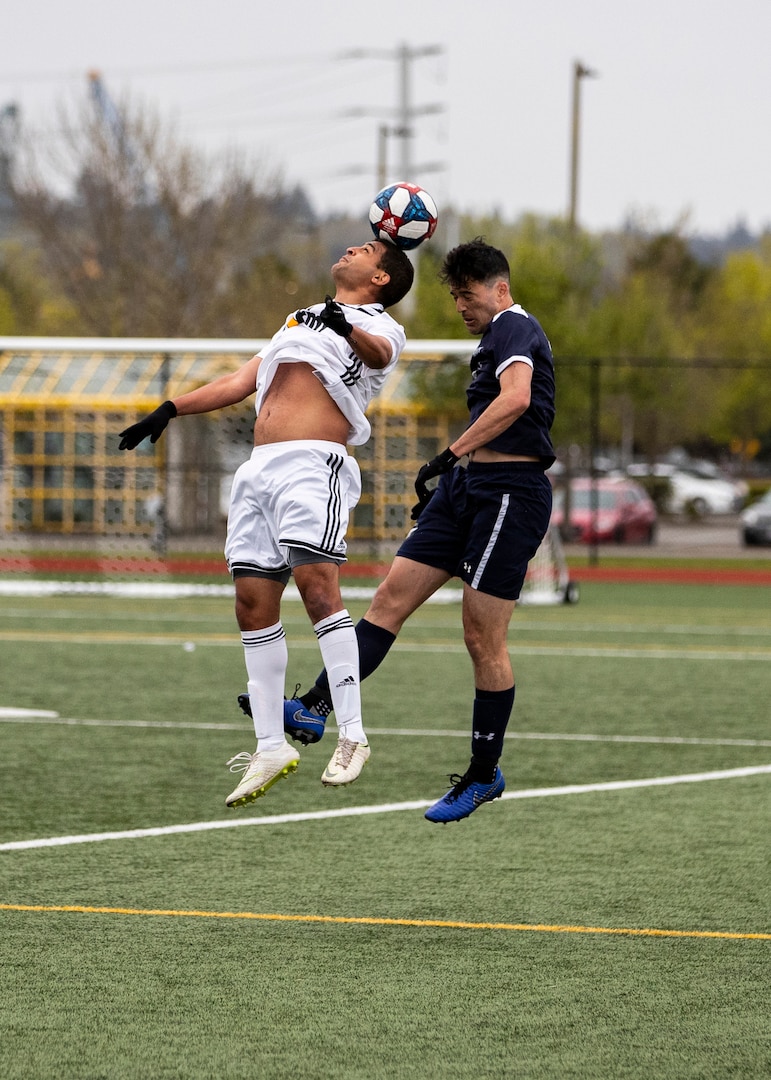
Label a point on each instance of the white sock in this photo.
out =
(340, 653)
(266, 657)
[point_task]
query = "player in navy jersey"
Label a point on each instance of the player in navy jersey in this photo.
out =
(482, 523)
(291, 500)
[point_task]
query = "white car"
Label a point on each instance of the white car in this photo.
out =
(697, 489)
(756, 521)
(693, 492)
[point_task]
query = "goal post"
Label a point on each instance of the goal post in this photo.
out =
(548, 579)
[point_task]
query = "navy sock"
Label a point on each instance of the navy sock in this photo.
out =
(374, 643)
(492, 709)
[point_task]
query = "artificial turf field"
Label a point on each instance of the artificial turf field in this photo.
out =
(589, 926)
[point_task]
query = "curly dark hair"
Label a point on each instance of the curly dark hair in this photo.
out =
(399, 269)
(472, 262)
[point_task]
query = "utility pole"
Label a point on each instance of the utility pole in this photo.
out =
(381, 173)
(10, 124)
(579, 72)
(403, 130)
(406, 113)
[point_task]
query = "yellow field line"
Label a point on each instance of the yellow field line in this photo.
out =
(443, 924)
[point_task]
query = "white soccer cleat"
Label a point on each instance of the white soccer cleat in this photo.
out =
(261, 770)
(346, 763)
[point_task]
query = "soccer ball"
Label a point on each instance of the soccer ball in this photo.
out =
(403, 214)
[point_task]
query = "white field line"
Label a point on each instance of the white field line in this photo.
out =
(169, 590)
(382, 808)
(10, 715)
(160, 590)
(521, 624)
(604, 652)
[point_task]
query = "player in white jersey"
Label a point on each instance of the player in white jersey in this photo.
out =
(344, 375)
(290, 502)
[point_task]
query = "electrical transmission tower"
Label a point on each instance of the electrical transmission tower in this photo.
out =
(402, 127)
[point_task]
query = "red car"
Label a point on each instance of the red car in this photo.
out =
(607, 509)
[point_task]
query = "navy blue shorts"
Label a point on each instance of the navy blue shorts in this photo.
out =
(484, 524)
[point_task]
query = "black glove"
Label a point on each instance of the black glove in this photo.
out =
(330, 317)
(435, 467)
(309, 319)
(153, 425)
(421, 504)
(333, 316)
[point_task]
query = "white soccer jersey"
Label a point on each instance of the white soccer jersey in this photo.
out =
(349, 382)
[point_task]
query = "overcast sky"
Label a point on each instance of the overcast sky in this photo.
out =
(676, 125)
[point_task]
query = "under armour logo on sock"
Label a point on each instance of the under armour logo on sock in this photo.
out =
(347, 681)
(489, 738)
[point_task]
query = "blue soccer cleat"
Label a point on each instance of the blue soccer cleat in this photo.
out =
(464, 797)
(300, 723)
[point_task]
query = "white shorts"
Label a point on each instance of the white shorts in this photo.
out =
(289, 496)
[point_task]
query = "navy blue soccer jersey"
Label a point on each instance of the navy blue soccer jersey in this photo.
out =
(514, 334)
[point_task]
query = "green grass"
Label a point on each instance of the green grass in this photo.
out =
(192, 994)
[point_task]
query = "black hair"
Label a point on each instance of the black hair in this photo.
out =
(474, 261)
(400, 271)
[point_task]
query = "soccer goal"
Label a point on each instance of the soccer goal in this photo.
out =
(548, 580)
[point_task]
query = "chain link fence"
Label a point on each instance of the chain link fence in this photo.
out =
(63, 402)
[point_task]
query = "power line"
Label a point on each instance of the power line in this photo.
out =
(171, 69)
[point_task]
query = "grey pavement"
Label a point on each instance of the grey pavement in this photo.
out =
(715, 537)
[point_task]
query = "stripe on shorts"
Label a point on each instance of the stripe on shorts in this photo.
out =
(332, 531)
(242, 566)
(491, 542)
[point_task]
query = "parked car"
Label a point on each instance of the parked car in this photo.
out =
(756, 521)
(623, 512)
(698, 489)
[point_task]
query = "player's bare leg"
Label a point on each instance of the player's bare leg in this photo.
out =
(485, 632)
(407, 585)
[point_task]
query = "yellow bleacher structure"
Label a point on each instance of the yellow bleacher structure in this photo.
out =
(64, 400)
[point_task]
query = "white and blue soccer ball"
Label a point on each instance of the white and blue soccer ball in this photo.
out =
(403, 214)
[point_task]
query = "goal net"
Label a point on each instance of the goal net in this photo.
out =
(548, 580)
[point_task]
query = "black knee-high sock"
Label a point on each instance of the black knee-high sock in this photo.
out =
(492, 709)
(374, 643)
